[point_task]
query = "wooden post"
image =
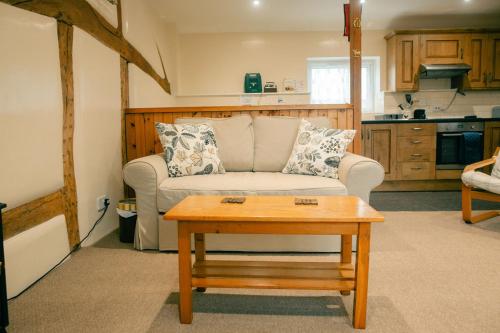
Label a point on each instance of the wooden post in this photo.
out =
(65, 37)
(355, 58)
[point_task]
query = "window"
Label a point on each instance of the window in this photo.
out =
(329, 81)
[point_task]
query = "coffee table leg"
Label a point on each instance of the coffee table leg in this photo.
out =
(362, 264)
(346, 256)
(185, 292)
(199, 250)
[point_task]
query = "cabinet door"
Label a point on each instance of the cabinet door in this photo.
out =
(379, 142)
(442, 48)
(494, 61)
(476, 55)
(407, 62)
(491, 137)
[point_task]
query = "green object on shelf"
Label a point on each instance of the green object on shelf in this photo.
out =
(253, 83)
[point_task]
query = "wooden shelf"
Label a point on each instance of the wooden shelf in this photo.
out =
(273, 275)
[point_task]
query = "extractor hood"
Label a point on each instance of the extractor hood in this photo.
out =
(429, 71)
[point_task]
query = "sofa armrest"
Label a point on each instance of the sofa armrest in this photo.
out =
(144, 175)
(360, 175)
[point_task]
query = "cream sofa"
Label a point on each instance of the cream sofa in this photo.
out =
(253, 151)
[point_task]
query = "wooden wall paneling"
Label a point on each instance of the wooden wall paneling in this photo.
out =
(31, 214)
(142, 139)
(84, 16)
(65, 40)
(149, 134)
(355, 70)
(342, 119)
(131, 137)
(140, 135)
(158, 118)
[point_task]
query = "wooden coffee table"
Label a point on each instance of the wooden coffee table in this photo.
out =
(334, 215)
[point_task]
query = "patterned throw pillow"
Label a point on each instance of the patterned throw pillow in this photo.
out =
(318, 151)
(190, 149)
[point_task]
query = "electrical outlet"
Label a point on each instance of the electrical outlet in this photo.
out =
(100, 202)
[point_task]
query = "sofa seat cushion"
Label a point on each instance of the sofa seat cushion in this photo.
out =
(173, 190)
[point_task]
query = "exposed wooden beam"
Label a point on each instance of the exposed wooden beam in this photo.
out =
(33, 213)
(125, 104)
(65, 37)
(355, 58)
(81, 14)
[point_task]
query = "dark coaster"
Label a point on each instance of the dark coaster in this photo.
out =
(306, 202)
(234, 200)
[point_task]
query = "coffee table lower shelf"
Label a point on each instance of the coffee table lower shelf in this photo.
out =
(273, 275)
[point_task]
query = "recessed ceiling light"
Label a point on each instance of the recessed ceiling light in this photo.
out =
(362, 1)
(256, 3)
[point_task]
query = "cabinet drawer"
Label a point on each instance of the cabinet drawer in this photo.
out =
(416, 129)
(416, 170)
(416, 148)
(416, 155)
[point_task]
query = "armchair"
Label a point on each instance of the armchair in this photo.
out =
(488, 185)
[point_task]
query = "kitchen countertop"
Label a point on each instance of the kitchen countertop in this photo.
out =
(431, 120)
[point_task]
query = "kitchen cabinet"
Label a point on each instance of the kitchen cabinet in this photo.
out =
(442, 48)
(416, 151)
(379, 143)
(476, 55)
(491, 137)
(407, 50)
(483, 54)
(493, 61)
(402, 62)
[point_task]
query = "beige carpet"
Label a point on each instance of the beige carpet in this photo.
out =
(429, 273)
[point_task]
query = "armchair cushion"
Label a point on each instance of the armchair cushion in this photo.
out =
(482, 181)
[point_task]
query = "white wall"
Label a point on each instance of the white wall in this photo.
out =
(216, 63)
(97, 140)
(31, 123)
(30, 138)
(148, 33)
(30, 107)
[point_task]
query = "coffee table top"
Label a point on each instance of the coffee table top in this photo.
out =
(274, 209)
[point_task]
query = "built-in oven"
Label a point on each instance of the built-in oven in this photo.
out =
(459, 144)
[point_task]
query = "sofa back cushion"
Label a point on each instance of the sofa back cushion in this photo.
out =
(274, 139)
(234, 138)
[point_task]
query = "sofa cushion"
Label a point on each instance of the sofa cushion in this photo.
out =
(318, 150)
(173, 190)
(234, 137)
(190, 149)
(274, 140)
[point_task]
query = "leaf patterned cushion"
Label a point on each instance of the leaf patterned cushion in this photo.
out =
(190, 149)
(318, 151)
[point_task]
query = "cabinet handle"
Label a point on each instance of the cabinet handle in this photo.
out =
(461, 53)
(368, 135)
(417, 128)
(416, 168)
(416, 142)
(485, 78)
(416, 155)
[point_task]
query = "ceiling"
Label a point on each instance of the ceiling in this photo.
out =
(198, 16)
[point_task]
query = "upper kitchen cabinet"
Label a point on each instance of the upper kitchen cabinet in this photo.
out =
(402, 62)
(493, 61)
(442, 48)
(482, 52)
(476, 55)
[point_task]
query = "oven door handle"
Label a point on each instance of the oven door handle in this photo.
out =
(451, 134)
